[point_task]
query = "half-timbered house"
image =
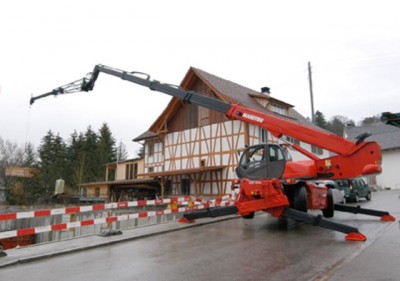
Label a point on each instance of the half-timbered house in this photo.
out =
(193, 150)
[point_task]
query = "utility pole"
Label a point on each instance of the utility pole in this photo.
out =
(311, 93)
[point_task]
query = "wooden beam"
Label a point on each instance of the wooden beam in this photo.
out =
(21, 172)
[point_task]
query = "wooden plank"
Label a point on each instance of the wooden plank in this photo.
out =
(21, 172)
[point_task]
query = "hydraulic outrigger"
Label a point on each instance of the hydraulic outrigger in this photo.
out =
(262, 184)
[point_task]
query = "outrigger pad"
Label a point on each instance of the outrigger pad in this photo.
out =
(354, 236)
(185, 220)
(388, 218)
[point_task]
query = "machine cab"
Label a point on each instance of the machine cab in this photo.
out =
(262, 161)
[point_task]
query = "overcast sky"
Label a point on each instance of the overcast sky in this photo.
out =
(353, 47)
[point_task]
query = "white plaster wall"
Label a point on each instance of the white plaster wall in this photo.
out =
(390, 176)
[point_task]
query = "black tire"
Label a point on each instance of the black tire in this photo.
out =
(300, 199)
(368, 197)
(329, 210)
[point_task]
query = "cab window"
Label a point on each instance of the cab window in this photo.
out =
(254, 154)
(275, 153)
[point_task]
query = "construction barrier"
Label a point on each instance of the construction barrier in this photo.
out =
(92, 208)
(193, 204)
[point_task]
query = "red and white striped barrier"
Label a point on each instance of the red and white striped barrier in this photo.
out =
(108, 206)
(97, 207)
(69, 225)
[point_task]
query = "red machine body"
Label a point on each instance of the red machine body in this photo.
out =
(317, 197)
(352, 159)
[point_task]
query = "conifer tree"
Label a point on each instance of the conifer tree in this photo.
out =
(320, 120)
(106, 150)
(52, 154)
(75, 160)
(122, 153)
(90, 156)
(32, 187)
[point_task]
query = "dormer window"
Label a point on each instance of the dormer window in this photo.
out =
(279, 109)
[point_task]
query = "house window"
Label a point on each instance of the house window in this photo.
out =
(127, 172)
(279, 109)
(150, 169)
(131, 171)
(292, 140)
(262, 135)
(151, 149)
(316, 150)
(135, 170)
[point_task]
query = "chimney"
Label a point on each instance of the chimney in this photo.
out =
(265, 91)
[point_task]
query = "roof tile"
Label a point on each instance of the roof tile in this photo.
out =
(387, 136)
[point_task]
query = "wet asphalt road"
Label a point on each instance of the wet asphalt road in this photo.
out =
(259, 249)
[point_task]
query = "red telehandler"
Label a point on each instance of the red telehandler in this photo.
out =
(265, 170)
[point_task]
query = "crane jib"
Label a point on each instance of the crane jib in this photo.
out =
(175, 91)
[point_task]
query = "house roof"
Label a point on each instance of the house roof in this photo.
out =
(231, 91)
(145, 135)
(387, 136)
(227, 91)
